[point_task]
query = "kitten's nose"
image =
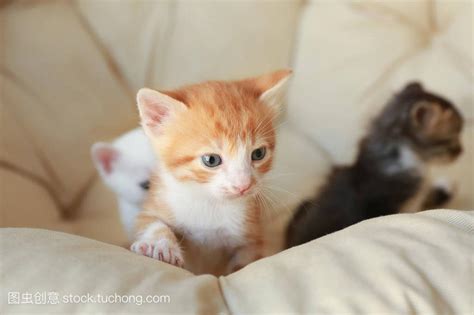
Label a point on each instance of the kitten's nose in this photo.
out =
(243, 187)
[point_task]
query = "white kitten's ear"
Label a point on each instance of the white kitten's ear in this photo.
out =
(155, 109)
(104, 155)
(273, 88)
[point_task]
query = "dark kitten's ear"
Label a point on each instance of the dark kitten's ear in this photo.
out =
(414, 86)
(426, 115)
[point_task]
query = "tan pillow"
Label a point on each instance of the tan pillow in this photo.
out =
(401, 264)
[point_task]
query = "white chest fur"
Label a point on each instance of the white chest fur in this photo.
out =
(203, 219)
(409, 161)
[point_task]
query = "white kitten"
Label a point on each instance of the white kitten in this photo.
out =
(125, 166)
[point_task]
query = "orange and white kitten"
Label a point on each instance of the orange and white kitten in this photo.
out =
(214, 142)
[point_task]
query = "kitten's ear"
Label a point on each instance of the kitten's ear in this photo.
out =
(155, 109)
(413, 86)
(104, 155)
(426, 115)
(272, 87)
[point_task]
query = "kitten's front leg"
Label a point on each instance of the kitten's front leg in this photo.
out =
(440, 194)
(156, 240)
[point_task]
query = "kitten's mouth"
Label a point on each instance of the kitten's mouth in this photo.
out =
(240, 194)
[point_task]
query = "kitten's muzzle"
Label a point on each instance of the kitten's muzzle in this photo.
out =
(242, 189)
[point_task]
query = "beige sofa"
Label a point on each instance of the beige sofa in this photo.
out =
(69, 71)
(403, 264)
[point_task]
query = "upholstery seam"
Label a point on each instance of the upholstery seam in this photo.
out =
(223, 295)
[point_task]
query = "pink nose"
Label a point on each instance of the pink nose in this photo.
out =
(243, 188)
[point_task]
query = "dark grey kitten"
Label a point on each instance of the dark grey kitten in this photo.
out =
(389, 175)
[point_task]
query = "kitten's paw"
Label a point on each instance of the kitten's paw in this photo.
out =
(442, 192)
(445, 185)
(163, 249)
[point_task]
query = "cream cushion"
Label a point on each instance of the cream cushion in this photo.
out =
(402, 264)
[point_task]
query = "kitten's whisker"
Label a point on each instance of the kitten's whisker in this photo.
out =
(276, 175)
(278, 209)
(264, 198)
(273, 129)
(276, 203)
(264, 119)
(282, 190)
(269, 121)
(266, 205)
(264, 202)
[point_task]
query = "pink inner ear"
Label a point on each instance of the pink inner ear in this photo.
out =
(106, 157)
(154, 114)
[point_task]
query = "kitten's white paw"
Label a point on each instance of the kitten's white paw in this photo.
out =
(163, 249)
(445, 184)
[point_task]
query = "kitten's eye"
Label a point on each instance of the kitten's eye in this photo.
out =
(145, 185)
(211, 160)
(258, 154)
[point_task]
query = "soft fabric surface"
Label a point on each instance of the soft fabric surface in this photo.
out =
(402, 264)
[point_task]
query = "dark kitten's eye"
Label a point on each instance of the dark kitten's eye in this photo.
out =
(211, 160)
(145, 185)
(258, 154)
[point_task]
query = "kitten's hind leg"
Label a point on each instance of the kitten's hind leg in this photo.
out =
(440, 194)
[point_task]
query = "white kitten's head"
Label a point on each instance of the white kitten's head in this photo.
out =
(125, 165)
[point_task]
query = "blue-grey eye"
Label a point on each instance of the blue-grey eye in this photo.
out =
(258, 154)
(211, 160)
(145, 185)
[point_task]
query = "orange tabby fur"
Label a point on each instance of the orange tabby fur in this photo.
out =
(212, 117)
